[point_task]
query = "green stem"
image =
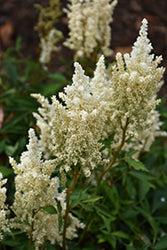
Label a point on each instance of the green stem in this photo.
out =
(115, 154)
(69, 192)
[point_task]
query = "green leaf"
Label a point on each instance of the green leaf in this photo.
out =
(106, 236)
(6, 171)
(78, 195)
(130, 187)
(138, 165)
(112, 194)
(13, 122)
(144, 187)
(12, 71)
(131, 152)
(129, 214)
(150, 219)
(58, 77)
(51, 88)
(92, 199)
(50, 209)
(60, 220)
(107, 222)
(10, 150)
(162, 244)
(87, 207)
(18, 43)
(101, 209)
(121, 234)
(143, 176)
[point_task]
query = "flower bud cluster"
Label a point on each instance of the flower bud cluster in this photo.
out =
(89, 24)
(35, 190)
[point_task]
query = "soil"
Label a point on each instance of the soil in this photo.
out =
(18, 18)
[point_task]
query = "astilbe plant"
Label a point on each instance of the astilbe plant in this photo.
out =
(89, 24)
(73, 128)
(35, 192)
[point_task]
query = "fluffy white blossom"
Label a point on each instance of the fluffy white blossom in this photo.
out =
(3, 208)
(89, 24)
(35, 190)
(135, 82)
(71, 132)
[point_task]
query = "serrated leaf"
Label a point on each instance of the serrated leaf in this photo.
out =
(138, 165)
(50, 209)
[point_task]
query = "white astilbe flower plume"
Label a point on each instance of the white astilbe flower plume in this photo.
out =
(135, 82)
(71, 132)
(89, 24)
(3, 208)
(35, 190)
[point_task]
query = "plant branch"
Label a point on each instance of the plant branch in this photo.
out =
(69, 192)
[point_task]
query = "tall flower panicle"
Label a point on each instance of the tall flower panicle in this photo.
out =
(72, 131)
(35, 190)
(135, 82)
(3, 208)
(89, 24)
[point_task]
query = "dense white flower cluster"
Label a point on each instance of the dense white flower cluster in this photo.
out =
(3, 208)
(98, 107)
(35, 190)
(71, 132)
(48, 46)
(89, 24)
(130, 94)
